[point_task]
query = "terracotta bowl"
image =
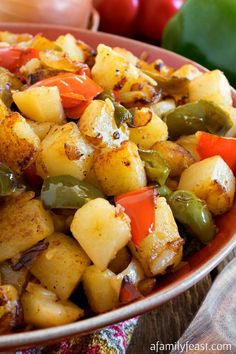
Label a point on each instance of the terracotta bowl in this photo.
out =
(169, 286)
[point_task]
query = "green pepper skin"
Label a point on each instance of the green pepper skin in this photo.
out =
(8, 183)
(198, 116)
(205, 31)
(164, 191)
(156, 168)
(106, 94)
(121, 114)
(169, 85)
(67, 192)
(193, 213)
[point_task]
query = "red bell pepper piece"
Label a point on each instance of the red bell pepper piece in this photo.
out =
(12, 58)
(76, 112)
(128, 291)
(140, 207)
(73, 88)
(210, 145)
(31, 175)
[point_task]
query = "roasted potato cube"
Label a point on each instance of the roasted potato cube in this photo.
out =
(177, 158)
(155, 130)
(23, 223)
(163, 247)
(42, 104)
(119, 170)
(40, 128)
(92, 178)
(163, 106)
(64, 152)
(130, 57)
(13, 38)
(10, 314)
(98, 126)
(18, 143)
(211, 86)
(113, 71)
(101, 288)
(232, 113)
(187, 71)
(211, 180)
(8, 83)
(4, 111)
(134, 271)
(69, 45)
(189, 142)
(42, 308)
(102, 230)
(60, 267)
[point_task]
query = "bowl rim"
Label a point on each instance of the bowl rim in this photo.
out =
(85, 326)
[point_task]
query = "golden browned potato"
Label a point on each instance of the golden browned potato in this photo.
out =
(113, 71)
(177, 158)
(10, 314)
(60, 267)
(102, 230)
(119, 170)
(42, 104)
(187, 71)
(163, 106)
(134, 271)
(13, 38)
(163, 247)
(4, 111)
(18, 143)
(23, 223)
(212, 86)
(189, 143)
(211, 180)
(98, 126)
(40, 128)
(42, 308)
(64, 152)
(155, 130)
(101, 288)
(69, 45)
(130, 57)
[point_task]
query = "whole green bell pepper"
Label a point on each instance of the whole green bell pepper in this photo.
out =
(205, 31)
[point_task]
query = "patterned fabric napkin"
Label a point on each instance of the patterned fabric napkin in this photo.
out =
(110, 340)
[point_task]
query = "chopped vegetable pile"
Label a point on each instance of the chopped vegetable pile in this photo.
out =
(109, 167)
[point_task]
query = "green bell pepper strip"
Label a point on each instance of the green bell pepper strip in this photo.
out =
(67, 192)
(193, 213)
(205, 31)
(198, 116)
(156, 168)
(121, 114)
(8, 183)
(169, 85)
